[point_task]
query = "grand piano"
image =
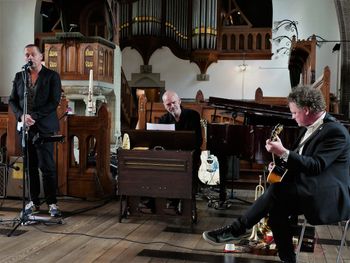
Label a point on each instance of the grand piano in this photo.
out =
(233, 144)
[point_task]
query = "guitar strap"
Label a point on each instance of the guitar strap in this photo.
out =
(308, 138)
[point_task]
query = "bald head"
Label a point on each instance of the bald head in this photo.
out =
(172, 102)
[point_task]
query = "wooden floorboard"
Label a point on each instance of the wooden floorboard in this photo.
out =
(91, 232)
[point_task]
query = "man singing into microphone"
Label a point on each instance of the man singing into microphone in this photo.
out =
(43, 88)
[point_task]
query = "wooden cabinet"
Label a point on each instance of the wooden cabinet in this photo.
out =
(158, 174)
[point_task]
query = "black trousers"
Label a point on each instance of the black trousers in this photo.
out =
(281, 203)
(41, 156)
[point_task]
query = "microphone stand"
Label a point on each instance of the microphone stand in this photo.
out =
(24, 218)
(11, 165)
(24, 143)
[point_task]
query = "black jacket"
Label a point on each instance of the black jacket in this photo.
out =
(321, 173)
(46, 99)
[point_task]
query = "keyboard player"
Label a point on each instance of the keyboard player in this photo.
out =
(184, 120)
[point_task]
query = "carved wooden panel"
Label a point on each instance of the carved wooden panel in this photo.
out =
(73, 59)
(89, 177)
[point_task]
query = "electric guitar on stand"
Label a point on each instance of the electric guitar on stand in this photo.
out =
(278, 172)
(208, 172)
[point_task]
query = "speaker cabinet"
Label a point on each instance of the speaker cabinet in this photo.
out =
(15, 179)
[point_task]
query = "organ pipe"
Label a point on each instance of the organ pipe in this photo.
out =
(204, 30)
(146, 18)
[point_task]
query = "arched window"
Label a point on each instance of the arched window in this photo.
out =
(233, 42)
(258, 41)
(224, 42)
(250, 41)
(74, 152)
(241, 42)
(267, 41)
(91, 151)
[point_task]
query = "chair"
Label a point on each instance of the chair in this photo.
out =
(342, 242)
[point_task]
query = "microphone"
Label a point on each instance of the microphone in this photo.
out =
(11, 165)
(29, 64)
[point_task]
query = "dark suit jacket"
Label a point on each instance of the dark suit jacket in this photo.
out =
(321, 173)
(46, 99)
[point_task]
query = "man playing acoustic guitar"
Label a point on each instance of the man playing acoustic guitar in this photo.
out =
(317, 182)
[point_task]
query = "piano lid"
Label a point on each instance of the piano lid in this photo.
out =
(256, 113)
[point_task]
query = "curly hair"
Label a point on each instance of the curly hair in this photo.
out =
(306, 96)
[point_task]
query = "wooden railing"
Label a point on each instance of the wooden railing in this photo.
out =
(269, 100)
(253, 43)
(323, 83)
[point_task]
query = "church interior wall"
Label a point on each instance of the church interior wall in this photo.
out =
(225, 78)
(17, 30)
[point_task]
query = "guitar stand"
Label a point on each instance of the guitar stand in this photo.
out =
(223, 202)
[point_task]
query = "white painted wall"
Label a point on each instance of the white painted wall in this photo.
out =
(271, 75)
(16, 31)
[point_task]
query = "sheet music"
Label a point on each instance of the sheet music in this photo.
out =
(160, 127)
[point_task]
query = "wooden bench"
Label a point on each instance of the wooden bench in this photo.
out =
(322, 83)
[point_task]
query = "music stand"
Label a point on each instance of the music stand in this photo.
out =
(228, 151)
(235, 175)
(24, 218)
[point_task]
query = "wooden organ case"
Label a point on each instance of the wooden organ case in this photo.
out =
(162, 171)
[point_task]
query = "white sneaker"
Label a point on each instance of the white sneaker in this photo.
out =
(30, 209)
(54, 211)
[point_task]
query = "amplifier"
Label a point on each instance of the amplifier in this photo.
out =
(14, 186)
(308, 243)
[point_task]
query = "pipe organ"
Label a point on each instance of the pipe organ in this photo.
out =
(204, 24)
(176, 22)
(170, 19)
(201, 31)
(146, 17)
(192, 30)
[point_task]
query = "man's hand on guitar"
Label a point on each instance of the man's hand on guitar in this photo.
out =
(275, 146)
(270, 167)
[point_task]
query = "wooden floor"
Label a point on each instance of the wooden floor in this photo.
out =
(91, 232)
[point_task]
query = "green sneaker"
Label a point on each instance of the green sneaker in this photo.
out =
(225, 234)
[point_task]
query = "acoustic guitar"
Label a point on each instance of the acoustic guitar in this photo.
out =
(278, 171)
